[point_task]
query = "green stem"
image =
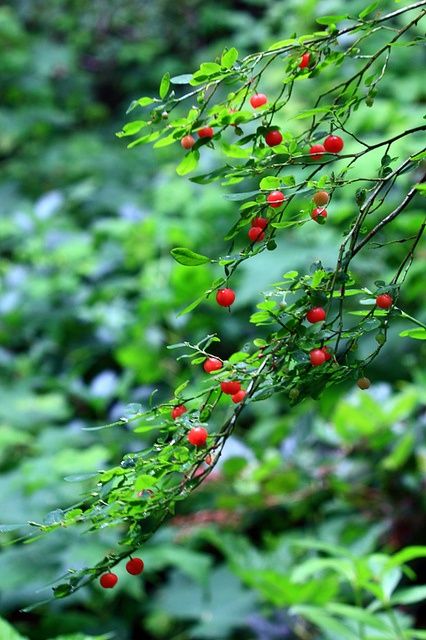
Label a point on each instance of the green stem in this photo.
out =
(406, 315)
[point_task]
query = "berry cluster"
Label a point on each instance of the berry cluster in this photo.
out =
(134, 566)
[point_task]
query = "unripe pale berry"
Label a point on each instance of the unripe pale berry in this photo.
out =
(230, 387)
(275, 199)
(363, 383)
(259, 222)
(321, 198)
(273, 138)
(319, 215)
(384, 301)
(205, 132)
(135, 566)
(304, 62)
(316, 314)
(333, 144)
(178, 411)
(258, 100)
(317, 357)
(239, 396)
(256, 234)
(225, 297)
(198, 436)
(108, 580)
(316, 151)
(187, 142)
(212, 364)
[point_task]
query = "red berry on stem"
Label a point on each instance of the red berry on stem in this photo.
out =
(198, 436)
(178, 411)
(225, 297)
(384, 301)
(135, 566)
(327, 353)
(187, 142)
(317, 357)
(273, 138)
(316, 314)
(304, 62)
(256, 234)
(258, 100)
(275, 199)
(333, 144)
(205, 132)
(319, 215)
(212, 364)
(230, 387)
(259, 222)
(108, 580)
(321, 198)
(316, 151)
(239, 396)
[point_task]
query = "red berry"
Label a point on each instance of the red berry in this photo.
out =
(225, 297)
(239, 396)
(317, 314)
(321, 198)
(212, 364)
(108, 580)
(316, 151)
(304, 62)
(256, 234)
(259, 222)
(178, 411)
(327, 353)
(333, 144)
(274, 137)
(187, 142)
(317, 357)
(384, 301)
(275, 199)
(258, 100)
(230, 387)
(205, 132)
(135, 566)
(198, 436)
(319, 215)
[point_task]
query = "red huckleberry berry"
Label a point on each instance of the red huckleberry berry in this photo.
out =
(225, 297)
(273, 138)
(239, 396)
(135, 566)
(316, 314)
(258, 100)
(108, 580)
(319, 214)
(275, 199)
(259, 222)
(333, 144)
(205, 132)
(317, 357)
(328, 354)
(321, 198)
(230, 387)
(178, 411)
(384, 301)
(256, 234)
(304, 62)
(212, 364)
(187, 142)
(198, 436)
(316, 151)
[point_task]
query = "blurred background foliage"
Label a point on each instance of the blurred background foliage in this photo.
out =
(89, 301)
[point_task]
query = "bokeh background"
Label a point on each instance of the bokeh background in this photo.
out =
(89, 300)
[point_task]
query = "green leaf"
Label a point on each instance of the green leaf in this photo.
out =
(144, 481)
(282, 43)
(324, 621)
(188, 163)
(7, 633)
(187, 257)
(229, 58)
(357, 614)
(327, 20)
(184, 78)
(417, 334)
(144, 102)
(311, 112)
(130, 128)
(409, 596)
(400, 454)
(164, 85)
(406, 555)
(369, 9)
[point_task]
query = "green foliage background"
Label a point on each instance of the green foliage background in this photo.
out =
(89, 301)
